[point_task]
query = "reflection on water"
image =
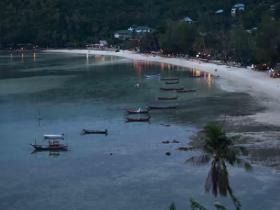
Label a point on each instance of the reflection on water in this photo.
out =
(127, 169)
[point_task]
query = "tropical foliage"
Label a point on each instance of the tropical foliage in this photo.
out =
(250, 36)
(219, 151)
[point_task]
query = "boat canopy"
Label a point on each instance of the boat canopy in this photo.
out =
(54, 136)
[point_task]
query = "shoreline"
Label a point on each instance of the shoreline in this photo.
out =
(258, 84)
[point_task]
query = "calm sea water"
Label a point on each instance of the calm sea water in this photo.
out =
(127, 169)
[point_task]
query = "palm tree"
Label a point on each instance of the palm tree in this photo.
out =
(172, 206)
(220, 151)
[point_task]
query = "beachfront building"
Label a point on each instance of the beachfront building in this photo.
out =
(123, 34)
(237, 8)
(140, 29)
(132, 32)
(132, 28)
(101, 45)
(188, 20)
(219, 12)
(143, 29)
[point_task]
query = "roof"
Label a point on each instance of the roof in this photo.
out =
(188, 19)
(239, 5)
(219, 11)
(104, 42)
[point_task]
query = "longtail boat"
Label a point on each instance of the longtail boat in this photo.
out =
(138, 111)
(167, 98)
(163, 107)
(50, 147)
(186, 91)
(88, 131)
(171, 89)
(172, 82)
(53, 144)
(169, 79)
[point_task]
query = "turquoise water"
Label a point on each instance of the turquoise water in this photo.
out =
(127, 169)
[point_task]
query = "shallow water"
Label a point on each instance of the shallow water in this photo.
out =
(127, 169)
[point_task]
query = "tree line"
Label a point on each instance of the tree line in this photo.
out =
(260, 44)
(252, 36)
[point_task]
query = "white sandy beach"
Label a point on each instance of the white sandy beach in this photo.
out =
(258, 84)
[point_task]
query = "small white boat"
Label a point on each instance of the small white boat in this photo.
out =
(53, 143)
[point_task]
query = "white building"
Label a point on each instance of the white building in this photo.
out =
(237, 8)
(187, 19)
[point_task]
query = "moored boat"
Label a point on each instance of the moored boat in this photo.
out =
(186, 90)
(172, 82)
(50, 147)
(89, 131)
(138, 111)
(53, 144)
(171, 89)
(163, 107)
(169, 78)
(167, 98)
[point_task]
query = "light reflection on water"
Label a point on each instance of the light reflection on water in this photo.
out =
(127, 169)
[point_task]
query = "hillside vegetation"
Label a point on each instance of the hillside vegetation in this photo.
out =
(252, 35)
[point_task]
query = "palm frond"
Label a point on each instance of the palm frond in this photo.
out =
(172, 206)
(235, 200)
(244, 164)
(196, 206)
(199, 160)
(219, 206)
(243, 150)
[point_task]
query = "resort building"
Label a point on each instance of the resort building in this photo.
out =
(237, 8)
(219, 12)
(188, 20)
(132, 32)
(123, 34)
(101, 45)
(143, 29)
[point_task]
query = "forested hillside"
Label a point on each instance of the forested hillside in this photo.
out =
(58, 23)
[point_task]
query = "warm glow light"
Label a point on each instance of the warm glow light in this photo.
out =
(209, 80)
(99, 58)
(197, 73)
(162, 66)
(138, 66)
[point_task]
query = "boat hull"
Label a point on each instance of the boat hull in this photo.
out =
(38, 147)
(163, 107)
(172, 82)
(167, 98)
(143, 111)
(172, 89)
(170, 79)
(87, 131)
(186, 91)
